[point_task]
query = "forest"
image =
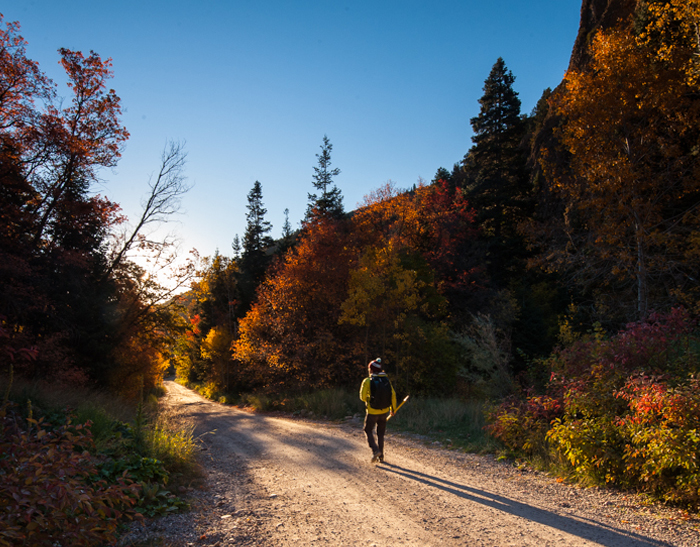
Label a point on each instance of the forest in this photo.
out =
(552, 271)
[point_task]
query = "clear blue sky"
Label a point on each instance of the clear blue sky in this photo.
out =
(253, 85)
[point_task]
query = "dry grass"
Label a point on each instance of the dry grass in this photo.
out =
(82, 401)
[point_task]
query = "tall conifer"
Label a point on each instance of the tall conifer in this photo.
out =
(330, 203)
(256, 241)
(494, 172)
(494, 169)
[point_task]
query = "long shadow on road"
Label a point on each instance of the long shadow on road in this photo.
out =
(250, 434)
(255, 436)
(582, 527)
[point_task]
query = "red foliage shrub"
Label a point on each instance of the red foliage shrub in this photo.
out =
(522, 425)
(49, 488)
(620, 410)
(663, 437)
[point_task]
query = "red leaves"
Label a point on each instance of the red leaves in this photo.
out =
(50, 492)
(624, 409)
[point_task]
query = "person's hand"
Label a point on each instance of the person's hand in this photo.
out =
(391, 413)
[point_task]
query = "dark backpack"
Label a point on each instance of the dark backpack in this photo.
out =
(379, 392)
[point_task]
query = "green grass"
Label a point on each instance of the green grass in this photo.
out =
(171, 440)
(332, 404)
(166, 437)
(451, 421)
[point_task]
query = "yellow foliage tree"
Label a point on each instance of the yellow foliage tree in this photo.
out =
(216, 348)
(672, 29)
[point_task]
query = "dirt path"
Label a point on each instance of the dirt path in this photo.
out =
(282, 482)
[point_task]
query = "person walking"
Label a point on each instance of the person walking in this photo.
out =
(378, 394)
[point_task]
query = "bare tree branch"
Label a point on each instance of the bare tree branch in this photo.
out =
(163, 199)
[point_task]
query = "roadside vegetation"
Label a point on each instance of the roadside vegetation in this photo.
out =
(76, 464)
(539, 300)
(622, 411)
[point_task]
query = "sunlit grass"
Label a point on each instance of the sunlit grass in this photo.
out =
(170, 438)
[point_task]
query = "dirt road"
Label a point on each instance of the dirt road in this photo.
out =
(282, 482)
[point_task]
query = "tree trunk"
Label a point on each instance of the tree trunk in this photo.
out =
(642, 299)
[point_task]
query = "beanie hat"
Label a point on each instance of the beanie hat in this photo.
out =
(376, 365)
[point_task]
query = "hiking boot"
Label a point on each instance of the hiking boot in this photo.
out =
(376, 456)
(381, 458)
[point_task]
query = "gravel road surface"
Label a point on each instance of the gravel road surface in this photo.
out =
(283, 482)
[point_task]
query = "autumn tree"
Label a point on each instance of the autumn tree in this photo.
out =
(420, 259)
(218, 304)
(57, 227)
(290, 338)
(329, 203)
(65, 289)
(22, 85)
(393, 300)
(632, 191)
(671, 29)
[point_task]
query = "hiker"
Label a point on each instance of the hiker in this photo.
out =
(379, 396)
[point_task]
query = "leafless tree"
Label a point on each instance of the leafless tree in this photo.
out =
(162, 202)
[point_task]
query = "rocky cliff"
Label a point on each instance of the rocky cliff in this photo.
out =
(595, 15)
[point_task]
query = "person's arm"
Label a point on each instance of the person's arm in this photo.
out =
(364, 390)
(393, 400)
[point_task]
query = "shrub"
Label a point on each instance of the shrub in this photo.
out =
(663, 437)
(485, 352)
(50, 488)
(522, 425)
(623, 409)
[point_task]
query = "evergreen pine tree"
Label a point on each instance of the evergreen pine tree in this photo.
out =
(256, 242)
(330, 203)
(236, 247)
(287, 240)
(286, 227)
(494, 172)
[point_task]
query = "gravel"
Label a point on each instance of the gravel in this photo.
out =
(284, 482)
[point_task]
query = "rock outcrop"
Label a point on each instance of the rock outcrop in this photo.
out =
(595, 15)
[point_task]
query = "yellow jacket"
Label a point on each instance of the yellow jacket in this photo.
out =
(365, 395)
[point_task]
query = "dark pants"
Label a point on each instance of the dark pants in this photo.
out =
(380, 421)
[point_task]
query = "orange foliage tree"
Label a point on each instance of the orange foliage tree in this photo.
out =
(91, 316)
(291, 337)
(369, 284)
(632, 188)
